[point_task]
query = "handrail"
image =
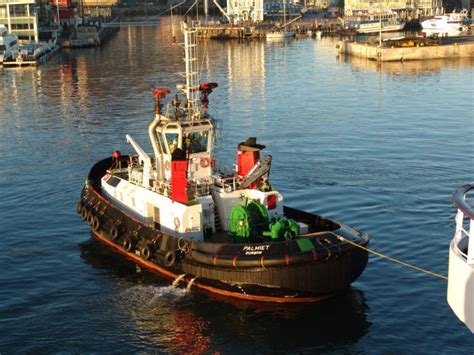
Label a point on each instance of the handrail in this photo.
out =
(464, 220)
(459, 200)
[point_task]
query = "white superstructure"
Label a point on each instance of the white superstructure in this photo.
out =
(176, 189)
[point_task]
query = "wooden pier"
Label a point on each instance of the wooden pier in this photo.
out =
(255, 31)
(89, 36)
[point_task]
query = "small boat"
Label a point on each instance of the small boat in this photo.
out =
(453, 24)
(8, 44)
(461, 258)
(375, 22)
(279, 35)
(174, 213)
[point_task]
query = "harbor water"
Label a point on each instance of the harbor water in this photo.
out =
(380, 147)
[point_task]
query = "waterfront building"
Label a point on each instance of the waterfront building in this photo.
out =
(244, 10)
(254, 10)
(97, 7)
(404, 8)
(20, 17)
(321, 4)
(422, 8)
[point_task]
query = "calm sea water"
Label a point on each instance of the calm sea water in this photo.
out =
(379, 147)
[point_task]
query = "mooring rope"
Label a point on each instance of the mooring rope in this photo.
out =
(380, 255)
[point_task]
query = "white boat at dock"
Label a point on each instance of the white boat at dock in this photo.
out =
(279, 35)
(281, 32)
(461, 259)
(375, 22)
(28, 54)
(8, 44)
(453, 24)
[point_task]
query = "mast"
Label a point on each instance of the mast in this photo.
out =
(191, 62)
(172, 24)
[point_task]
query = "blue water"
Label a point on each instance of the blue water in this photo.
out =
(379, 147)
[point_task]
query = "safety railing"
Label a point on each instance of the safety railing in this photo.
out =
(464, 223)
(229, 183)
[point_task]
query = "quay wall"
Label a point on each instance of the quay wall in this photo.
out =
(373, 52)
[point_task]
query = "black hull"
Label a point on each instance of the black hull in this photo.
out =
(274, 271)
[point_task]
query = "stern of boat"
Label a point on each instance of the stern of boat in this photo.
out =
(461, 260)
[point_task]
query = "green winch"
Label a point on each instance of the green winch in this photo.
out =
(249, 223)
(281, 229)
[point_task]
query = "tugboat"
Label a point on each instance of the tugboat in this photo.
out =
(230, 234)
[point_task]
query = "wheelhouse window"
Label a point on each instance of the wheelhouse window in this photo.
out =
(196, 142)
(172, 141)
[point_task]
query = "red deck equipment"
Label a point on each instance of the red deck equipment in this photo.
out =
(179, 180)
(248, 154)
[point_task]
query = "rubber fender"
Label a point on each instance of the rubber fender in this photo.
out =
(146, 252)
(128, 244)
(95, 223)
(257, 261)
(84, 213)
(170, 258)
(114, 232)
(90, 217)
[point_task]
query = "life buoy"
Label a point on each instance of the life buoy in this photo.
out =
(170, 258)
(146, 252)
(128, 244)
(176, 222)
(114, 232)
(204, 162)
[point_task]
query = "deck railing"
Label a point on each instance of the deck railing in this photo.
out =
(464, 221)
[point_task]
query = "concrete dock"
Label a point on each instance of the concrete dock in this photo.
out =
(454, 47)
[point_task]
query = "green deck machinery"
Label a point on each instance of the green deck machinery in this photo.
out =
(249, 223)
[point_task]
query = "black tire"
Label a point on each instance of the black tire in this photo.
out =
(146, 252)
(90, 218)
(95, 223)
(79, 208)
(114, 232)
(170, 258)
(128, 244)
(84, 213)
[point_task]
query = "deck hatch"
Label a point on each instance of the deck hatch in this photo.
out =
(113, 181)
